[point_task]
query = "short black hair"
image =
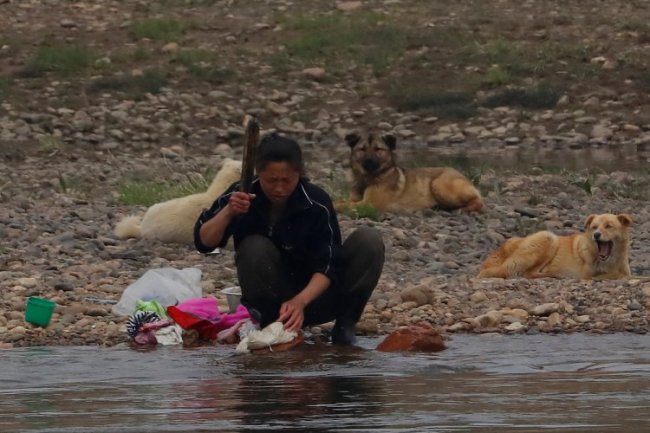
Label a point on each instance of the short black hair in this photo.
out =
(277, 148)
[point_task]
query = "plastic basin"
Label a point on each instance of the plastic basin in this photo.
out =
(39, 311)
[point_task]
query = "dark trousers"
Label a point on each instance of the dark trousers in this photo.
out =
(265, 282)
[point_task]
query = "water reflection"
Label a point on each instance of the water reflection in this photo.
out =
(570, 383)
(298, 390)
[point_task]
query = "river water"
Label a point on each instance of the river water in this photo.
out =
(530, 383)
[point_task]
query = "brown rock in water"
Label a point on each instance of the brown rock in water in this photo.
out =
(420, 337)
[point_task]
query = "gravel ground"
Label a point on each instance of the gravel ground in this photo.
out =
(68, 144)
(59, 246)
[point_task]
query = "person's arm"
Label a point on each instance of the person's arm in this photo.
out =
(292, 312)
(210, 230)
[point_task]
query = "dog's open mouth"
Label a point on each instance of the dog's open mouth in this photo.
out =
(604, 249)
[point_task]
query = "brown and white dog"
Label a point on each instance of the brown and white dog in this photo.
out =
(600, 252)
(379, 182)
(173, 221)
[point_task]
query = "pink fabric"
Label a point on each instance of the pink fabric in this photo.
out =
(205, 308)
(147, 332)
(202, 314)
(230, 335)
(231, 319)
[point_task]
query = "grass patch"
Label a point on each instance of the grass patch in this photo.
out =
(411, 95)
(583, 180)
(538, 97)
(197, 62)
(498, 51)
(50, 143)
(147, 193)
(637, 190)
(507, 61)
(74, 186)
(158, 29)
(496, 77)
(336, 39)
(557, 56)
(149, 82)
(189, 57)
(65, 60)
(5, 84)
(211, 74)
(136, 54)
(363, 210)
(502, 57)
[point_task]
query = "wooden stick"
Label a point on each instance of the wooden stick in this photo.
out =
(251, 139)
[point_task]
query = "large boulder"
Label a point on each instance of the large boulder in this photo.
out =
(420, 337)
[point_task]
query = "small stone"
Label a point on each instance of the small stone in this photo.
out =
(171, 47)
(315, 73)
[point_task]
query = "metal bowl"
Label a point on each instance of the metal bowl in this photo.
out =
(233, 296)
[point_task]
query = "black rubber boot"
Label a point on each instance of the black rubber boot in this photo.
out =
(364, 252)
(343, 334)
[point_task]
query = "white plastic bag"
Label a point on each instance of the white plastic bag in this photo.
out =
(169, 286)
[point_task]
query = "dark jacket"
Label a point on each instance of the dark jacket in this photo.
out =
(308, 235)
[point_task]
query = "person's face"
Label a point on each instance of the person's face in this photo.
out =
(278, 180)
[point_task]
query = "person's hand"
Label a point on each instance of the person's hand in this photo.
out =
(292, 314)
(240, 202)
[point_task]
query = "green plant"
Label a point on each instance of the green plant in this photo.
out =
(150, 81)
(5, 84)
(496, 76)
(411, 95)
(64, 60)
(189, 57)
(538, 97)
(75, 186)
(335, 39)
(140, 54)
(146, 193)
(166, 29)
(534, 200)
(362, 210)
(495, 53)
(49, 143)
(583, 180)
(211, 74)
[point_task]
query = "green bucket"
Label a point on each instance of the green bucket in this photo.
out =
(39, 311)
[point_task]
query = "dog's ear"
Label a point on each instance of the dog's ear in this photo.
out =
(352, 139)
(625, 219)
(390, 140)
(590, 218)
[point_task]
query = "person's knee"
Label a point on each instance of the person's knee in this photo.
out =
(367, 240)
(255, 249)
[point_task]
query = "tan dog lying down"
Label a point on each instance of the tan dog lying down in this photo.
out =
(381, 183)
(601, 252)
(173, 220)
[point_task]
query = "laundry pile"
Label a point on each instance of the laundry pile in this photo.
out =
(164, 308)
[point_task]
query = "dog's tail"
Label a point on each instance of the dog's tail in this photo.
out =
(128, 227)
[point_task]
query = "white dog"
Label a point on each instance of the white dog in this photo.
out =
(173, 220)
